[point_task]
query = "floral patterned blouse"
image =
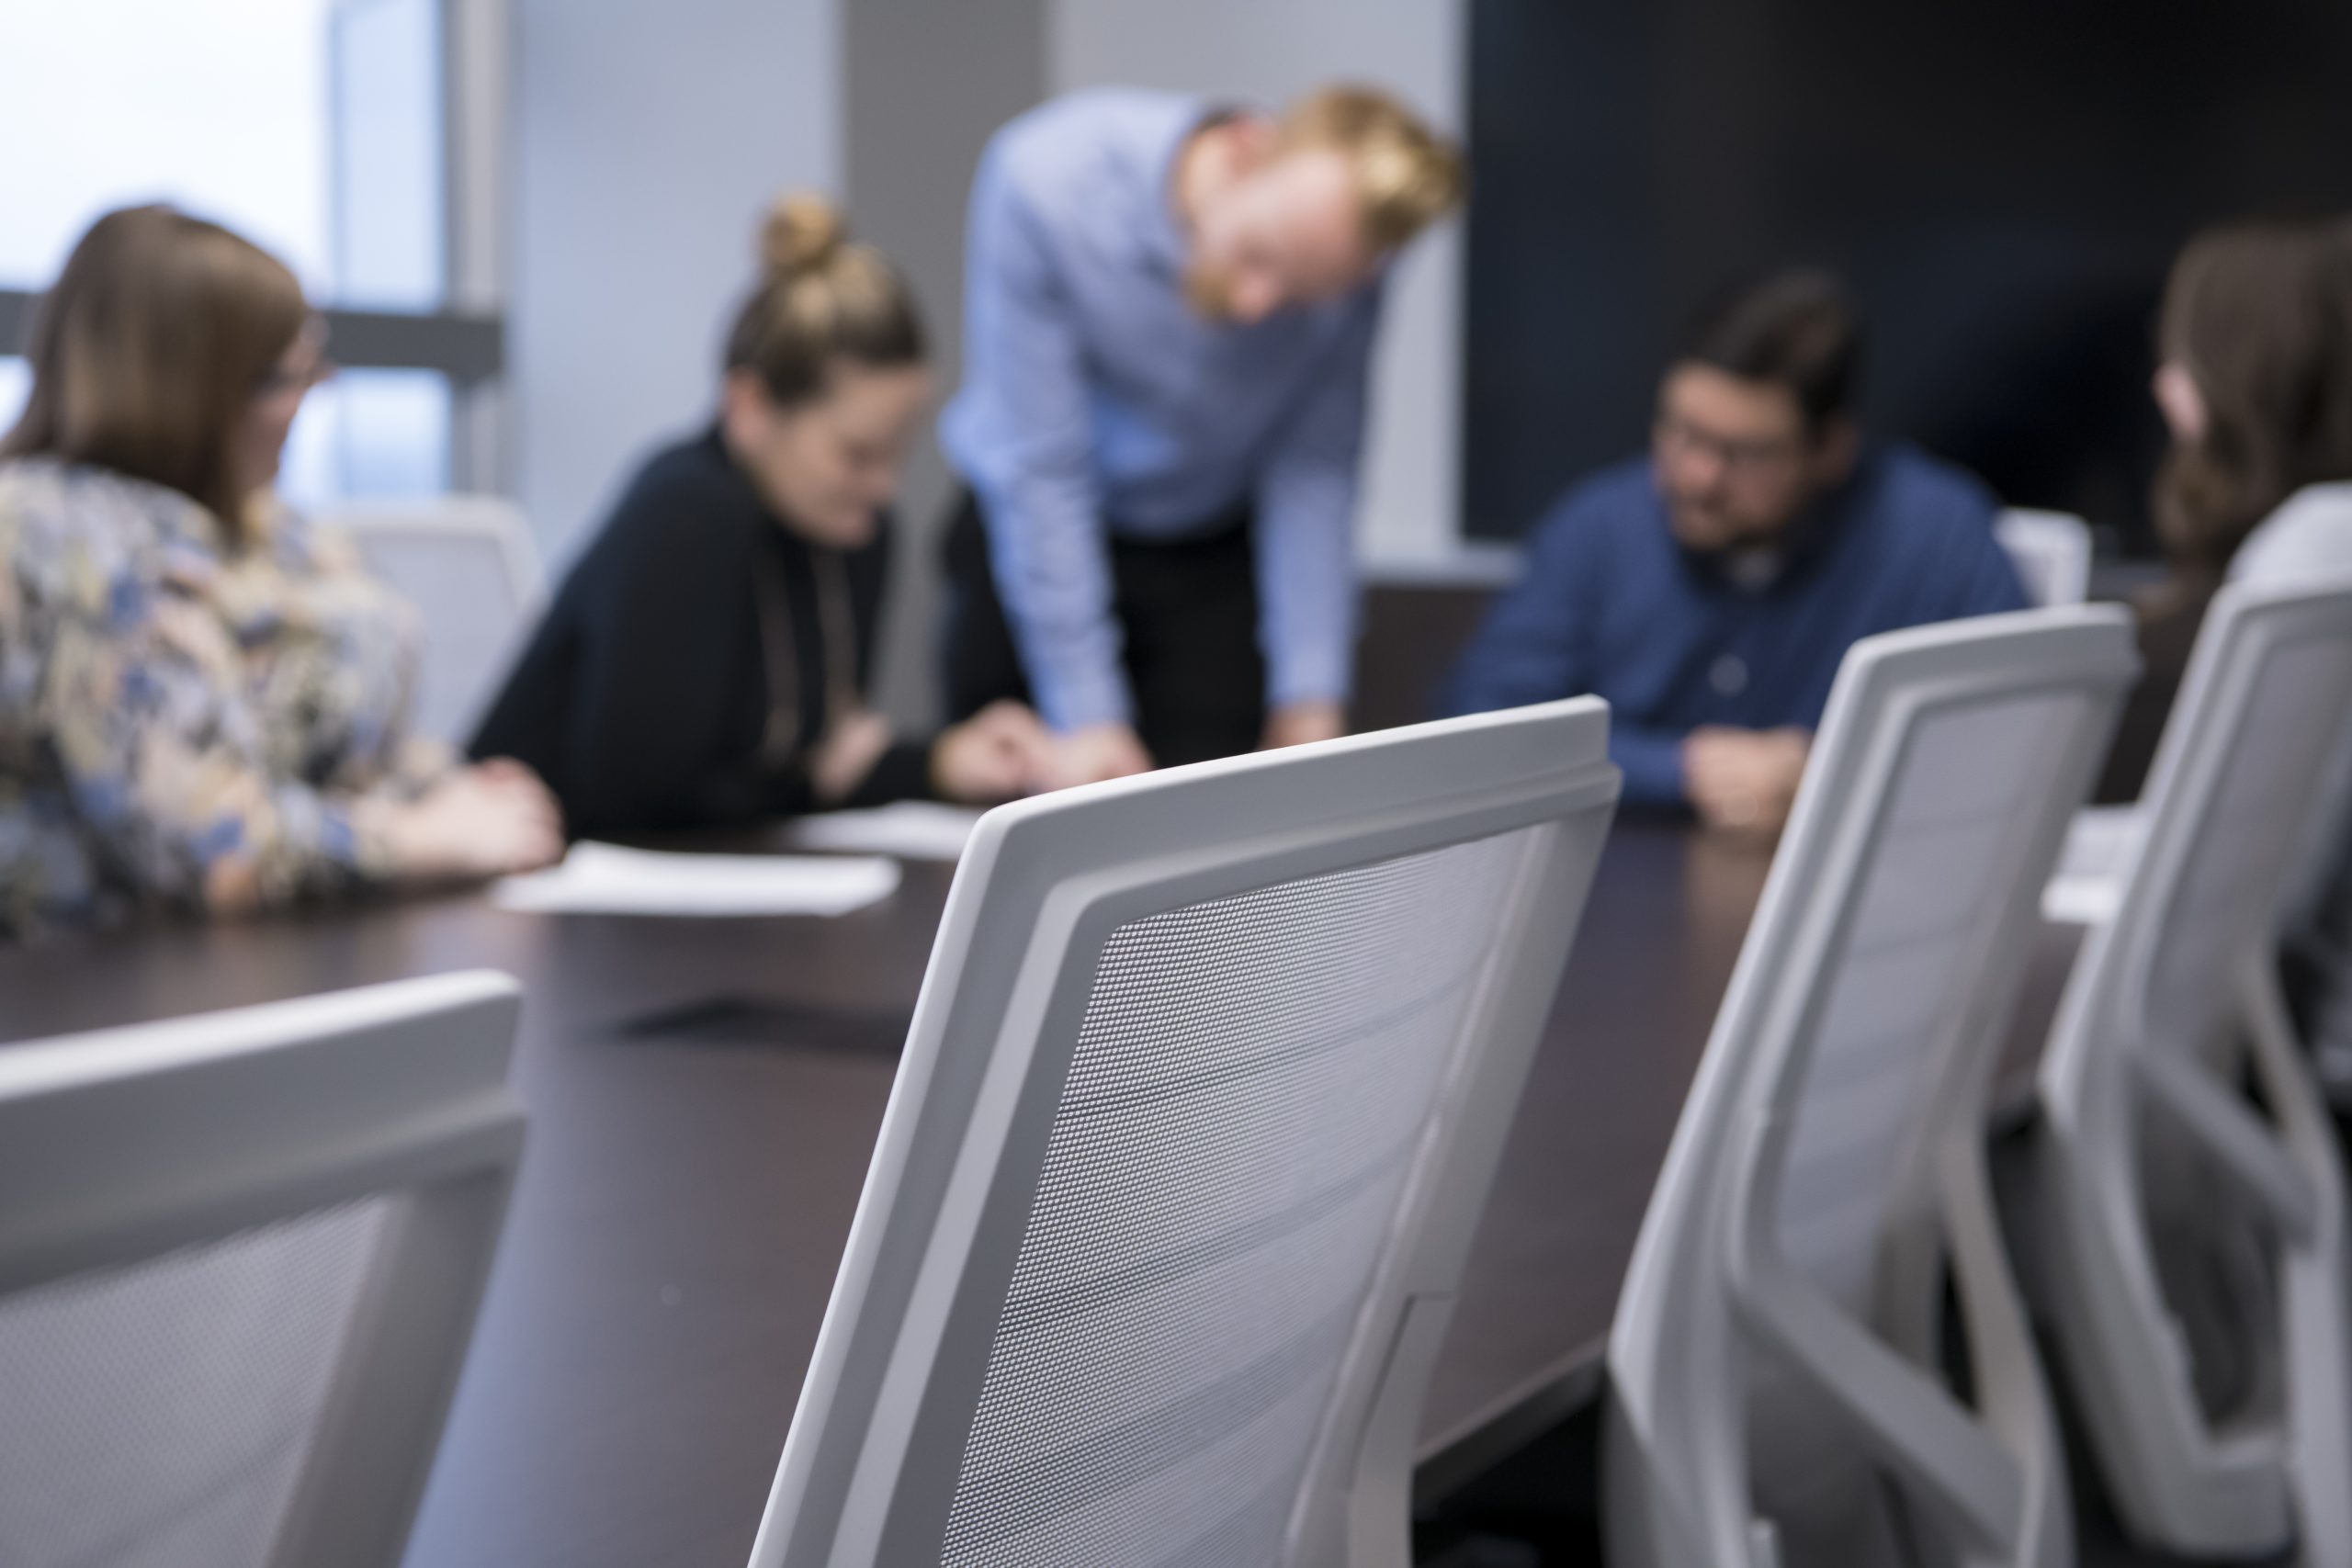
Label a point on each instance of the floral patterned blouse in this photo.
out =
(180, 719)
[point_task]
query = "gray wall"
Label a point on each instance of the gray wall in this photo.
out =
(928, 80)
(649, 140)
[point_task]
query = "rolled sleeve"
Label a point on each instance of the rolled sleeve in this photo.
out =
(1651, 761)
(1020, 432)
(165, 767)
(1305, 530)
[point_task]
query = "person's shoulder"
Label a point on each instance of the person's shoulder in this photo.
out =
(686, 497)
(1623, 495)
(1921, 489)
(32, 505)
(1598, 525)
(1095, 116)
(1080, 132)
(2309, 534)
(77, 532)
(695, 470)
(1921, 507)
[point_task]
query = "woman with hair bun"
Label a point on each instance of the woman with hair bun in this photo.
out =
(705, 662)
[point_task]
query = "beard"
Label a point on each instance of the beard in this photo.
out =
(1709, 532)
(1209, 291)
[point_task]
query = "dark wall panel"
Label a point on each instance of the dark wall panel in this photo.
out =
(2004, 181)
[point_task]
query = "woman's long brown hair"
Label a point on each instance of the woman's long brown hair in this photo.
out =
(150, 349)
(2260, 314)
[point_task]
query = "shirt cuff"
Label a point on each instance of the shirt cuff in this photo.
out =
(356, 836)
(1651, 764)
(1081, 699)
(1326, 676)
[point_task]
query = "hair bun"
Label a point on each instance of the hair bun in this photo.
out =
(802, 231)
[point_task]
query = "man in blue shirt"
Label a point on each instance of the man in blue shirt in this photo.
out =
(1710, 591)
(1169, 315)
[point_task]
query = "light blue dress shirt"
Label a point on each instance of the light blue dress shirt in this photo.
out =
(1095, 400)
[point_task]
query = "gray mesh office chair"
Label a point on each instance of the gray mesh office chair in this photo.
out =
(240, 1257)
(1202, 1095)
(1777, 1391)
(2196, 1259)
(2052, 553)
(468, 565)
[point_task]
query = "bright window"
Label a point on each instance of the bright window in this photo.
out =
(219, 107)
(315, 128)
(388, 245)
(369, 433)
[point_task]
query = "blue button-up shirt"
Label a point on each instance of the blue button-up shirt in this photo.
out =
(1611, 604)
(1096, 400)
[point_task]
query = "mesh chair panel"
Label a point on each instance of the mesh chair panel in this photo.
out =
(1966, 788)
(2050, 552)
(1249, 1087)
(156, 1415)
(2236, 870)
(471, 607)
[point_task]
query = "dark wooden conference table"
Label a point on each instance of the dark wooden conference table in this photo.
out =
(703, 1098)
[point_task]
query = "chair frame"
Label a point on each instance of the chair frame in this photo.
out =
(2176, 1482)
(458, 517)
(2016, 525)
(473, 517)
(120, 1145)
(1709, 1278)
(868, 1470)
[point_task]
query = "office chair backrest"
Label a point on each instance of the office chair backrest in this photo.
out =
(1201, 1098)
(1827, 1166)
(2228, 800)
(2169, 1002)
(468, 565)
(2051, 552)
(240, 1258)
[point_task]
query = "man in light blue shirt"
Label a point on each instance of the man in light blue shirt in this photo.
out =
(1169, 315)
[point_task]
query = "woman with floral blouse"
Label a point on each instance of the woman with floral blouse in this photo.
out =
(202, 703)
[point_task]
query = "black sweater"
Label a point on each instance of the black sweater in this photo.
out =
(647, 697)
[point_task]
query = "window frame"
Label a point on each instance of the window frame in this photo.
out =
(465, 339)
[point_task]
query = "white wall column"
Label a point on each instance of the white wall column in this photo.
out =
(649, 142)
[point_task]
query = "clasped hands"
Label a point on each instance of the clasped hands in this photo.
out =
(1743, 781)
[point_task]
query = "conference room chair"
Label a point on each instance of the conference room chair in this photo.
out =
(1202, 1095)
(1777, 1364)
(2051, 552)
(2186, 1176)
(468, 565)
(240, 1258)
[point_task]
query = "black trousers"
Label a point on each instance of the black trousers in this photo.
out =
(1188, 614)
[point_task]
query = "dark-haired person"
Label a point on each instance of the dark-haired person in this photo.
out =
(1171, 308)
(1710, 590)
(202, 703)
(2254, 382)
(705, 662)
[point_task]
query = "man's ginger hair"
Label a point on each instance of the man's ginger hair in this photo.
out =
(1408, 176)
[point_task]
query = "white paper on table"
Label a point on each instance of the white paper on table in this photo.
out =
(910, 830)
(2101, 844)
(606, 879)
